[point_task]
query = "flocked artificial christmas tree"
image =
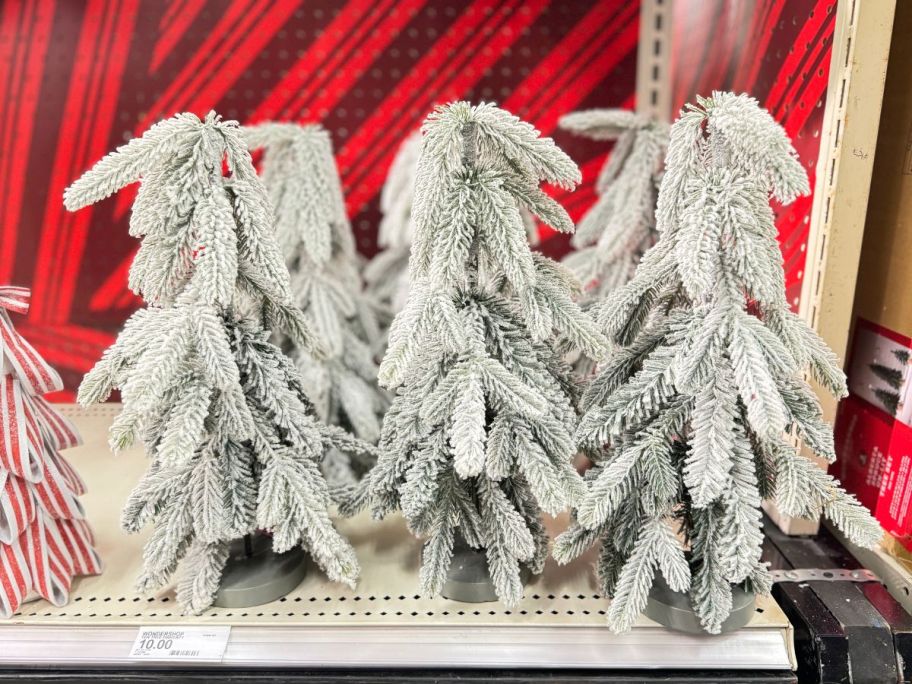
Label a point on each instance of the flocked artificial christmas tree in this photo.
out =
(232, 440)
(45, 540)
(616, 231)
(693, 412)
(300, 175)
(478, 440)
(387, 273)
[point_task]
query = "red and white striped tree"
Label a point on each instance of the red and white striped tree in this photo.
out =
(44, 538)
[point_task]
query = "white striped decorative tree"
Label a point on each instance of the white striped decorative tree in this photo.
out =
(45, 540)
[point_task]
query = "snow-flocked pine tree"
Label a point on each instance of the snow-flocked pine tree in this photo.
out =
(222, 413)
(386, 274)
(616, 231)
(300, 175)
(479, 439)
(694, 409)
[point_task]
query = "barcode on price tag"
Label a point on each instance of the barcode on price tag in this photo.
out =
(181, 643)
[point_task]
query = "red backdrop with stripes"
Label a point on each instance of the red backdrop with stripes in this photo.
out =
(78, 77)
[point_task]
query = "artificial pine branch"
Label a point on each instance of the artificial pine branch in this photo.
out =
(687, 422)
(233, 443)
(478, 440)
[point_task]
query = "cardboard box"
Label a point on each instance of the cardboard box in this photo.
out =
(874, 425)
(873, 433)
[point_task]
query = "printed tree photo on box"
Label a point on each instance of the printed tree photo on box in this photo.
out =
(893, 376)
(620, 226)
(233, 442)
(45, 540)
(299, 173)
(688, 420)
(479, 439)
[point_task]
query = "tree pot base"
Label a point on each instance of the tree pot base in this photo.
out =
(672, 609)
(468, 579)
(255, 575)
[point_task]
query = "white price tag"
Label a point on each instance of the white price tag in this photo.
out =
(181, 643)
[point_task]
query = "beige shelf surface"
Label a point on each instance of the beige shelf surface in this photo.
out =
(559, 623)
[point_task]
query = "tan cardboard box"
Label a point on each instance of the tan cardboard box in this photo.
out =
(883, 297)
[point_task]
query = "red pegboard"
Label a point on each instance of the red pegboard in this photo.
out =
(78, 78)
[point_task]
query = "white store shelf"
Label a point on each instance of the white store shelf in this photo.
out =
(384, 623)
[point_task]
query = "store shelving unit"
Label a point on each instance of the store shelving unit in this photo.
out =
(385, 623)
(861, 45)
(892, 573)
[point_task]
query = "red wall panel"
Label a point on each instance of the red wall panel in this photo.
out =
(79, 77)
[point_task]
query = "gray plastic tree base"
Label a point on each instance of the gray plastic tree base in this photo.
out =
(261, 577)
(672, 609)
(468, 579)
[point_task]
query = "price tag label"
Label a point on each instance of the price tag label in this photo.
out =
(181, 643)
